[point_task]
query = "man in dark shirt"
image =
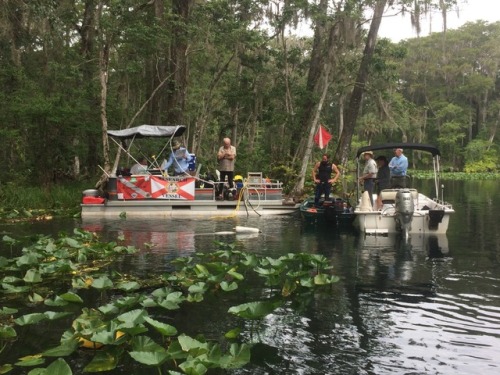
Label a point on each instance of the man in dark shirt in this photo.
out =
(322, 177)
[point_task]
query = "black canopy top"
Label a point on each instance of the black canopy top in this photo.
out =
(144, 131)
(405, 146)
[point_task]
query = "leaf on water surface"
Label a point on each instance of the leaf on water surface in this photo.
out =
(155, 358)
(228, 287)
(4, 369)
(7, 332)
(232, 334)
(7, 311)
(30, 319)
(72, 242)
(193, 346)
(163, 328)
(134, 316)
(145, 344)
(9, 240)
(193, 367)
(128, 286)
(53, 315)
(239, 356)
(102, 282)
(199, 287)
(30, 360)
(58, 367)
(71, 297)
(105, 360)
(33, 276)
(65, 349)
(254, 310)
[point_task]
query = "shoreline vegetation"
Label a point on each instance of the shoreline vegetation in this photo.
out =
(35, 203)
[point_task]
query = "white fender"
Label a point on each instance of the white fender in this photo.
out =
(366, 204)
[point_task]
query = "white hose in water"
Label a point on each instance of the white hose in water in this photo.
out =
(240, 229)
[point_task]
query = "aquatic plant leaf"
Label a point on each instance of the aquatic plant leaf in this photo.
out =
(155, 358)
(288, 288)
(102, 282)
(27, 260)
(33, 276)
(30, 319)
(149, 302)
(201, 270)
(58, 367)
(172, 300)
(7, 311)
(145, 344)
(238, 276)
(321, 279)
(110, 308)
(4, 369)
(161, 292)
(30, 360)
(239, 357)
(197, 297)
(131, 329)
(175, 351)
(250, 260)
(307, 282)
(128, 286)
(228, 287)
(193, 367)
(11, 280)
(133, 317)
(65, 349)
(265, 271)
(9, 240)
(232, 334)
(15, 289)
(163, 328)
(56, 302)
(104, 361)
(254, 310)
(35, 298)
(71, 297)
(104, 337)
(193, 346)
(72, 242)
(4, 262)
(53, 315)
(7, 332)
(199, 287)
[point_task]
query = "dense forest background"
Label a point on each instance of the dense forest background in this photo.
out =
(70, 70)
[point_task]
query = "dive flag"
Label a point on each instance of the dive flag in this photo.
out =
(322, 137)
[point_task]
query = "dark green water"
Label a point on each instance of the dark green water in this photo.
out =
(431, 306)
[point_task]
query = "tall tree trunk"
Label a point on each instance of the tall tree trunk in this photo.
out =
(342, 153)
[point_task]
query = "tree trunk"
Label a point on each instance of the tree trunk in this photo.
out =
(342, 153)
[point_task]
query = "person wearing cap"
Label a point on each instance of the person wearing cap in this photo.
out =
(179, 159)
(398, 167)
(369, 174)
(383, 180)
(322, 177)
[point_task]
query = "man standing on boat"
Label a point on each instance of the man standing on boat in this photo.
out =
(398, 167)
(322, 177)
(179, 158)
(226, 157)
(369, 174)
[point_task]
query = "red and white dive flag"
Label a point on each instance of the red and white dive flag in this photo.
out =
(322, 137)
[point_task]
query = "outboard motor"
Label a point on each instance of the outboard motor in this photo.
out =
(404, 211)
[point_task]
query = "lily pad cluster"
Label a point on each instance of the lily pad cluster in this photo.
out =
(130, 323)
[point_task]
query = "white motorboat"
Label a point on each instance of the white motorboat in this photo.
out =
(404, 210)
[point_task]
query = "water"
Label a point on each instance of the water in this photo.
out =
(431, 306)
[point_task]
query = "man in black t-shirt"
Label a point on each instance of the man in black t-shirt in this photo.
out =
(322, 177)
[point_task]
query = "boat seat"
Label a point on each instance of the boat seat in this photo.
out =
(388, 196)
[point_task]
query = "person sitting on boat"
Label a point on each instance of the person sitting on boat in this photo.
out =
(179, 159)
(322, 177)
(369, 174)
(383, 177)
(141, 167)
(398, 167)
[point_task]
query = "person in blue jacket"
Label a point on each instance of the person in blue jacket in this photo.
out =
(179, 159)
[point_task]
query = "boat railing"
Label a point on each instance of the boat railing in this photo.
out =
(443, 203)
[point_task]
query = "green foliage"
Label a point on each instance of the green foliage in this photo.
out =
(124, 325)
